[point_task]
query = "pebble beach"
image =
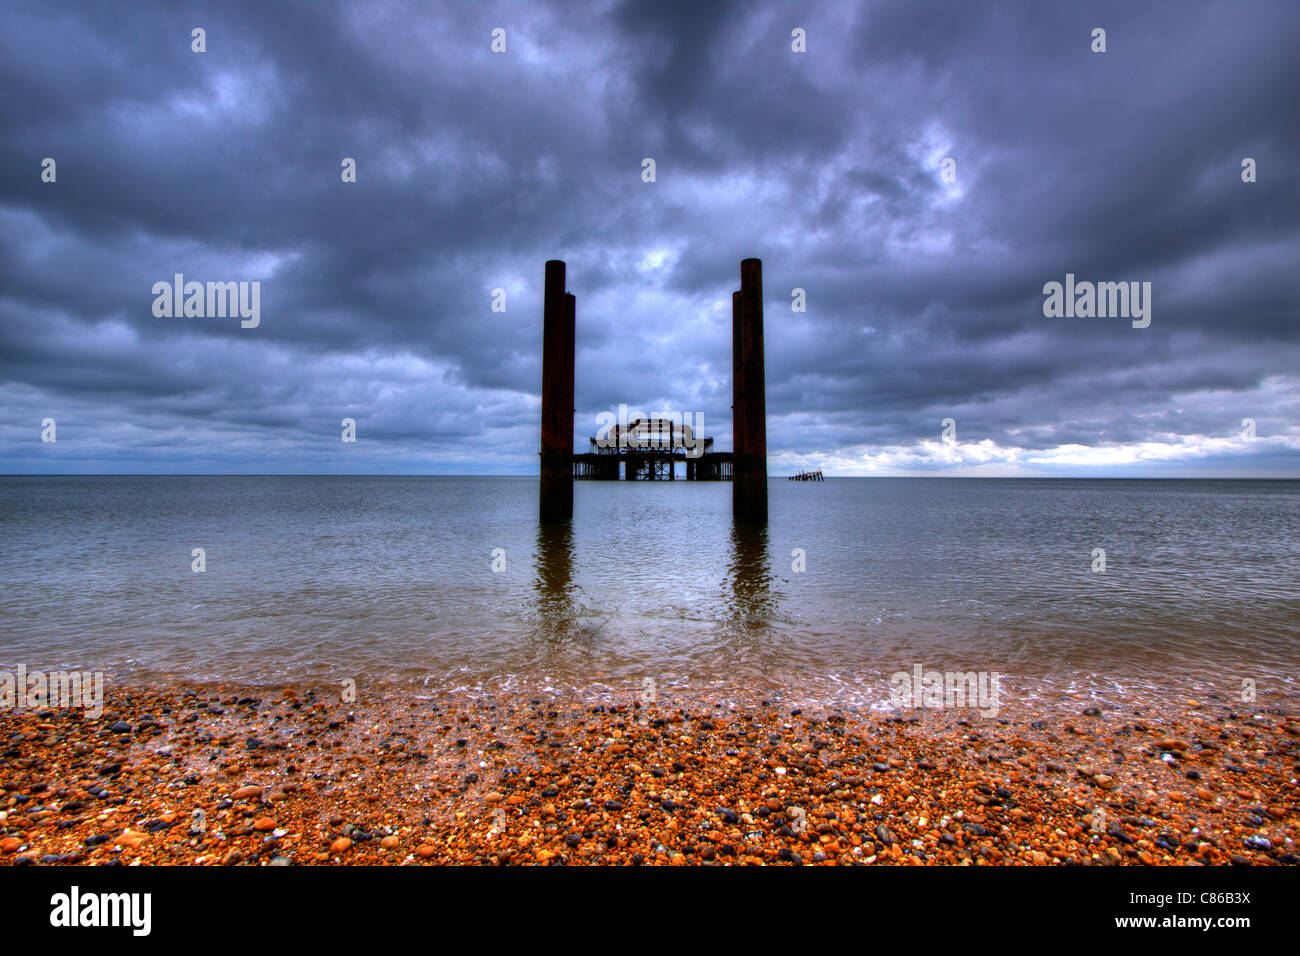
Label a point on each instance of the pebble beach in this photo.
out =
(220, 775)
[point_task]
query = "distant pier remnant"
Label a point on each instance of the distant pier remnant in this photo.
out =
(556, 497)
(749, 397)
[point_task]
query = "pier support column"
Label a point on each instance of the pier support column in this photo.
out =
(749, 490)
(555, 501)
(737, 410)
(566, 396)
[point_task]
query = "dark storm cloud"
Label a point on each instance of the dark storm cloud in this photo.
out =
(924, 298)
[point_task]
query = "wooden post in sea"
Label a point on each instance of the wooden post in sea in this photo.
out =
(749, 491)
(555, 499)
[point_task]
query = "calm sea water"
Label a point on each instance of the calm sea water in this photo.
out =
(391, 579)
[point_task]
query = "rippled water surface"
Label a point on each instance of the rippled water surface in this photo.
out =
(392, 579)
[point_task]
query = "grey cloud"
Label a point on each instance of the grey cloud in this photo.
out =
(475, 168)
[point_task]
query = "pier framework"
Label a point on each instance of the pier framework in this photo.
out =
(649, 449)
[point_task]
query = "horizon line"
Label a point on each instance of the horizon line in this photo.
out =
(240, 474)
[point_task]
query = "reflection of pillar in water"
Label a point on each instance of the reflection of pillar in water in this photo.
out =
(554, 564)
(752, 598)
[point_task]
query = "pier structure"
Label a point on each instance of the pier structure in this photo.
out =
(649, 449)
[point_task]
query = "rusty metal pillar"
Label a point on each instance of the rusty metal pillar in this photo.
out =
(749, 498)
(566, 395)
(555, 500)
(737, 409)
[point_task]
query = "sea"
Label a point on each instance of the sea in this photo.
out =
(1127, 589)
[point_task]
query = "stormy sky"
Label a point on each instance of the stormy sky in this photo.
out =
(924, 297)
